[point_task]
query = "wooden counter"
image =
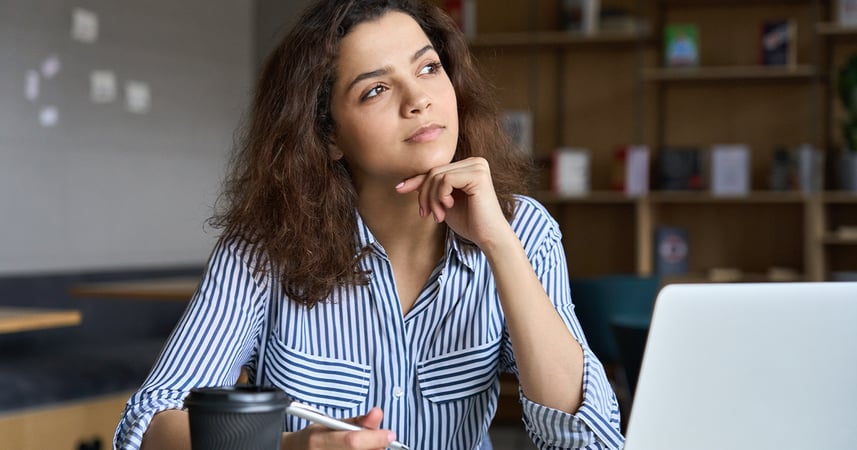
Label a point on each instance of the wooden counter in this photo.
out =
(175, 289)
(15, 319)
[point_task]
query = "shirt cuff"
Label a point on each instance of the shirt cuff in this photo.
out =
(594, 425)
(137, 417)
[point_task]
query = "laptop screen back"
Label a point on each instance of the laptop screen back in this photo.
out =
(749, 366)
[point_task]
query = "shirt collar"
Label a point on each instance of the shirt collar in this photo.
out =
(365, 238)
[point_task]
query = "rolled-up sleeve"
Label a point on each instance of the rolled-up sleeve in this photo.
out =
(215, 337)
(596, 424)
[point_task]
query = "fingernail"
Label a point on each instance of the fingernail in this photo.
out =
(422, 213)
(434, 216)
(400, 185)
(391, 437)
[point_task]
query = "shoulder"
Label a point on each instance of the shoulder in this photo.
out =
(533, 223)
(233, 253)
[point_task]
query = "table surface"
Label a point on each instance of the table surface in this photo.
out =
(16, 319)
(176, 289)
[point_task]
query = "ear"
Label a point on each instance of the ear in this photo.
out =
(334, 152)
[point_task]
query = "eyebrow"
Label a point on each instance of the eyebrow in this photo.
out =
(385, 70)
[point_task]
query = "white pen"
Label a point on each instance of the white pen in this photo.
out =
(313, 415)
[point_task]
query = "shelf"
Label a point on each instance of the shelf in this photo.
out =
(834, 29)
(840, 197)
(556, 38)
(599, 89)
(728, 3)
(594, 197)
(834, 239)
(744, 278)
(755, 197)
(677, 197)
(724, 73)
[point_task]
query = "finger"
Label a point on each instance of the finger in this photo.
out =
(410, 184)
(440, 195)
(372, 419)
(324, 438)
(414, 184)
(367, 439)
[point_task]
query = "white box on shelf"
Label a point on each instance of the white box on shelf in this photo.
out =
(810, 163)
(730, 170)
(571, 171)
(846, 14)
(637, 171)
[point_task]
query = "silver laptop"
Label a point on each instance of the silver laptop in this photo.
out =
(749, 366)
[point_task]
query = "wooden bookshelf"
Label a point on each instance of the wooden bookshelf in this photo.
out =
(731, 73)
(594, 197)
(557, 39)
(758, 197)
(840, 197)
(742, 278)
(834, 29)
(610, 89)
(833, 239)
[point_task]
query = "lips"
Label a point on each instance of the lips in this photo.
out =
(425, 133)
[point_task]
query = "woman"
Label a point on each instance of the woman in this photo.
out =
(373, 247)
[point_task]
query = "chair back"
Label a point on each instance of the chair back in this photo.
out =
(601, 300)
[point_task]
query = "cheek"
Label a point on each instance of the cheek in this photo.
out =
(452, 111)
(358, 134)
(451, 102)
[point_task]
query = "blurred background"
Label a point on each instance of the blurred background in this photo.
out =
(677, 141)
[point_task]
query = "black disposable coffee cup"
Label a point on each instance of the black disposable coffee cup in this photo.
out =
(236, 417)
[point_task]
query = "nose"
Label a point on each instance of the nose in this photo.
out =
(416, 101)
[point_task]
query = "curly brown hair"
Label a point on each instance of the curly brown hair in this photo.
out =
(284, 195)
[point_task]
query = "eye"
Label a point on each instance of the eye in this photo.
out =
(431, 68)
(373, 92)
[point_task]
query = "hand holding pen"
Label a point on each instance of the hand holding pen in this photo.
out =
(372, 417)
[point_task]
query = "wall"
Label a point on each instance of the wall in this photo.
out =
(105, 187)
(273, 19)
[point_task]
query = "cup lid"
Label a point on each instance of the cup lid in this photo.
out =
(238, 398)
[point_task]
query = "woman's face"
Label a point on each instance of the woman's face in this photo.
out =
(393, 104)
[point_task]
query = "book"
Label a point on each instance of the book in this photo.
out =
(518, 124)
(581, 16)
(779, 46)
(571, 167)
(620, 20)
(810, 168)
(681, 45)
(730, 170)
(671, 250)
(631, 170)
(464, 14)
(846, 13)
(797, 169)
(680, 169)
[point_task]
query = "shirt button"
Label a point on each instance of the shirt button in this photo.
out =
(398, 392)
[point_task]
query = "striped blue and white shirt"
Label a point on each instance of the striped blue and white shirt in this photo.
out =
(434, 372)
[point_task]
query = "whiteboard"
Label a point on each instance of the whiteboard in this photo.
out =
(111, 185)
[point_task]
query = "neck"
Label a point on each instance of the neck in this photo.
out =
(394, 220)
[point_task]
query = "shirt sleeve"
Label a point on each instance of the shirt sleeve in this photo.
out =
(596, 424)
(216, 336)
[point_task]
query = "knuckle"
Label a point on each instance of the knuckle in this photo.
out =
(313, 437)
(352, 439)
